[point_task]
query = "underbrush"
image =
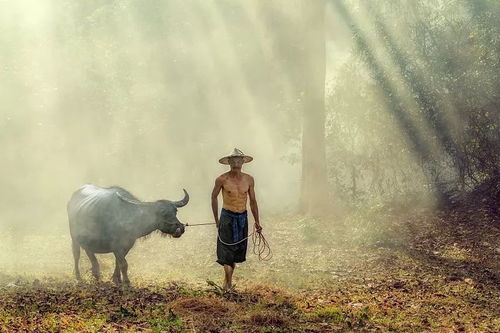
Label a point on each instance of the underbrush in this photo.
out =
(365, 226)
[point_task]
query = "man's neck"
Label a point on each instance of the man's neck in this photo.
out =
(235, 172)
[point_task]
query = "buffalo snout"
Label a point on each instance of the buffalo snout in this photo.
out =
(179, 230)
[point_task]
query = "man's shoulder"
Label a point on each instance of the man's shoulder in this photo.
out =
(226, 175)
(223, 176)
(247, 176)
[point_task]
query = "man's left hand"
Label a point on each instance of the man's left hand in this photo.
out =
(258, 228)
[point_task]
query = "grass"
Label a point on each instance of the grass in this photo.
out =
(439, 272)
(329, 314)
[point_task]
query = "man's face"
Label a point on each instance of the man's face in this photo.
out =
(236, 162)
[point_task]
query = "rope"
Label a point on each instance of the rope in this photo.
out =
(261, 246)
(238, 242)
(193, 225)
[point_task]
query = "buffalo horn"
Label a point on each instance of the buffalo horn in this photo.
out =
(182, 202)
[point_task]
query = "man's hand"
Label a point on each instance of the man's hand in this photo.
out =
(258, 228)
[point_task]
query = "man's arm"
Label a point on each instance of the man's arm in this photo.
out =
(215, 203)
(253, 204)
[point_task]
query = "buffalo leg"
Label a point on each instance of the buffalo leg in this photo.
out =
(117, 278)
(76, 255)
(122, 262)
(96, 272)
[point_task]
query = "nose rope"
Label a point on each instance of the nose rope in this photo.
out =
(261, 246)
(196, 224)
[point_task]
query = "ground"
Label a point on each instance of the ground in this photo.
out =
(391, 271)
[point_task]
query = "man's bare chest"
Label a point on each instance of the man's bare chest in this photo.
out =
(235, 187)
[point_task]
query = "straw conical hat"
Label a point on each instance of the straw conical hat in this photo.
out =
(236, 153)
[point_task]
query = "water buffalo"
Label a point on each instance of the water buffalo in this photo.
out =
(103, 220)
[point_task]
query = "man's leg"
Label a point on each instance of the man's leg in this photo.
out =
(228, 276)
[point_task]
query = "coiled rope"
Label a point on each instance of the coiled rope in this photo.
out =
(261, 246)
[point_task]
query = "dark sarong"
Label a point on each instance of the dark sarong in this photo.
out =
(233, 227)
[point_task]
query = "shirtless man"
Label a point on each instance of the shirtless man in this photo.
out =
(232, 226)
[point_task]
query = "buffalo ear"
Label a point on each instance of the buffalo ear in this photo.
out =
(182, 202)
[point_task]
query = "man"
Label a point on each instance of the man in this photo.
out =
(232, 226)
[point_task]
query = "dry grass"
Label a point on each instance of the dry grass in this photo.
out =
(439, 274)
(201, 305)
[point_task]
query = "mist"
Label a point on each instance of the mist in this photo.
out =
(129, 95)
(149, 95)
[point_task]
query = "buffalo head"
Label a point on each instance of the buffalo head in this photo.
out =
(166, 214)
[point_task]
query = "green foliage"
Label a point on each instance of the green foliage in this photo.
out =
(329, 313)
(425, 76)
(165, 323)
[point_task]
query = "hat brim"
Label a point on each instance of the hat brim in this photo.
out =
(225, 159)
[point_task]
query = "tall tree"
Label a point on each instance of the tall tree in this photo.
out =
(314, 189)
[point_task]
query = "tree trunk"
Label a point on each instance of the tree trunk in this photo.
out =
(314, 189)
